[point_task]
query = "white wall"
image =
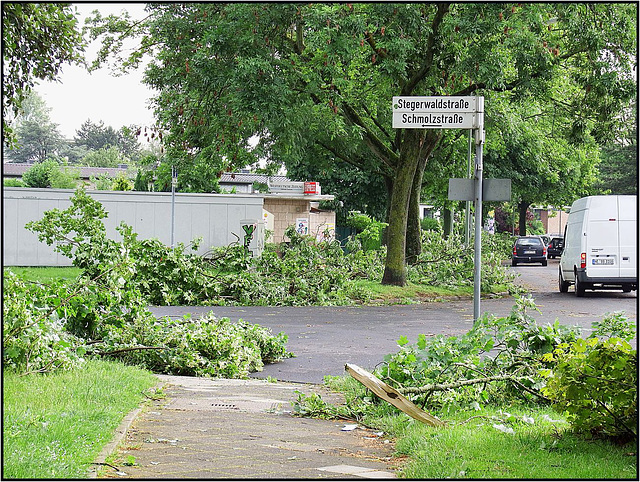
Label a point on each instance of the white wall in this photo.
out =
(215, 217)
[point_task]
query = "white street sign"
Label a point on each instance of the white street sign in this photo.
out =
(434, 120)
(434, 104)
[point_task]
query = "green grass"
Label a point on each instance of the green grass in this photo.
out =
(55, 425)
(410, 293)
(471, 447)
(542, 450)
(45, 274)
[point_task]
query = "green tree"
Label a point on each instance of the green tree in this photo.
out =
(95, 136)
(544, 163)
(618, 171)
(306, 77)
(37, 138)
(104, 157)
(37, 39)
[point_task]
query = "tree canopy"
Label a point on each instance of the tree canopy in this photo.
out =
(37, 39)
(314, 82)
(37, 137)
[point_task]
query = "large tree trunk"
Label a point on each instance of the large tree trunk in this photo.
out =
(414, 231)
(388, 182)
(447, 221)
(523, 206)
(395, 272)
(415, 149)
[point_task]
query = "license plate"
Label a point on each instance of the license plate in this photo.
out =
(529, 252)
(602, 261)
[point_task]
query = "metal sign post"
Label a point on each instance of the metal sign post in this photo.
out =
(477, 261)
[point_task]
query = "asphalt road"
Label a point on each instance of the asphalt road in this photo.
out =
(325, 338)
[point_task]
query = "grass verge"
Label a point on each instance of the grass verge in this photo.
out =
(516, 442)
(45, 274)
(55, 425)
(411, 293)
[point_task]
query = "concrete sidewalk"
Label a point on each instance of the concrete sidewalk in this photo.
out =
(221, 429)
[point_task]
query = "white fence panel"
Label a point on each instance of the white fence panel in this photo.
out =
(214, 217)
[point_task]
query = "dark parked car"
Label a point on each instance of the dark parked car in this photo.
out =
(529, 249)
(555, 247)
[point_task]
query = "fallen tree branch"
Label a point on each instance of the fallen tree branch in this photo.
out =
(446, 386)
(132, 348)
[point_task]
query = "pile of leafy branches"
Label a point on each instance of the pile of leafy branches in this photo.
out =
(445, 261)
(301, 272)
(58, 325)
(495, 361)
(104, 312)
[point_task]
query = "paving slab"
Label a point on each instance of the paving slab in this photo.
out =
(225, 429)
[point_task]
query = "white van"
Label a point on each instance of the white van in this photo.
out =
(600, 245)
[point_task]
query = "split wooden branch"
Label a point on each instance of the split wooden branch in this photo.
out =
(391, 395)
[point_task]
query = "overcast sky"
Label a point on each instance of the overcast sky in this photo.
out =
(98, 96)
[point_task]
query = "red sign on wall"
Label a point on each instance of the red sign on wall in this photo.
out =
(311, 188)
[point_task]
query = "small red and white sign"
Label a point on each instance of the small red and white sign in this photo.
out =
(311, 188)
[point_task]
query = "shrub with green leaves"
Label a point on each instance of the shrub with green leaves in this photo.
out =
(9, 182)
(369, 230)
(122, 183)
(39, 175)
(594, 381)
(430, 224)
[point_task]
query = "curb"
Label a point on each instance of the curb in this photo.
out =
(118, 437)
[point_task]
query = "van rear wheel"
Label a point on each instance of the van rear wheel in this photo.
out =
(563, 285)
(579, 287)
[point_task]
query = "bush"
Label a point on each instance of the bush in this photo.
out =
(595, 383)
(122, 183)
(430, 224)
(369, 230)
(102, 182)
(13, 183)
(39, 175)
(64, 178)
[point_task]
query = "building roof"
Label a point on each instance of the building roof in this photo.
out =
(248, 178)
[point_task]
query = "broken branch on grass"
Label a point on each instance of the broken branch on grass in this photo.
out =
(447, 386)
(132, 348)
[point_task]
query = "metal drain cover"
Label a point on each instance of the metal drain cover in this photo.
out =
(244, 404)
(224, 406)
